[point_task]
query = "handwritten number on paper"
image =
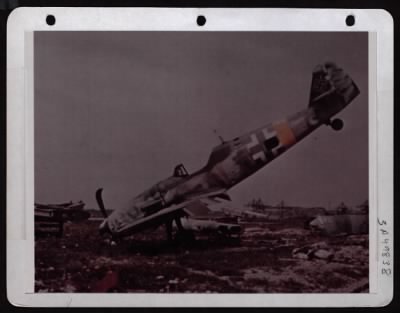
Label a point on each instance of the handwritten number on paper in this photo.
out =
(381, 223)
(385, 248)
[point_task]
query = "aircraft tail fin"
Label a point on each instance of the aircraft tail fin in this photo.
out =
(100, 202)
(328, 79)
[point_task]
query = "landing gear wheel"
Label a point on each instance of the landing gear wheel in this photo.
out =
(337, 124)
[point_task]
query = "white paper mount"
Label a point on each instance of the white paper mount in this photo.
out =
(20, 146)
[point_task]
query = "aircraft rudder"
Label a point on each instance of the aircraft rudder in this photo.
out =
(327, 79)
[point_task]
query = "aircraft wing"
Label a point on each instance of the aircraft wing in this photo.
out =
(124, 223)
(153, 220)
(217, 206)
(214, 205)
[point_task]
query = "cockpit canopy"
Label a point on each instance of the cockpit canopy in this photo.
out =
(219, 153)
(157, 190)
(180, 171)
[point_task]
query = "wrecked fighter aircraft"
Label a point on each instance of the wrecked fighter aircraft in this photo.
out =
(202, 195)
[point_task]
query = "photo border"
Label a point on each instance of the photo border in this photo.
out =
(20, 146)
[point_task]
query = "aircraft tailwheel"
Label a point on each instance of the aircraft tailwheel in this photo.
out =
(337, 124)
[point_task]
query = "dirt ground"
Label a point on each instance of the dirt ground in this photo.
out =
(270, 258)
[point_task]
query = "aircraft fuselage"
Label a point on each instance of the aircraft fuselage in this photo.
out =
(233, 161)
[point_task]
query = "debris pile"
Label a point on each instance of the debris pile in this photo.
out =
(271, 257)
(319, 250)
(50, 218)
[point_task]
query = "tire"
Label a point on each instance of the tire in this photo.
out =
(337, 124)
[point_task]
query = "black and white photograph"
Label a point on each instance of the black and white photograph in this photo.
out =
(201, 162)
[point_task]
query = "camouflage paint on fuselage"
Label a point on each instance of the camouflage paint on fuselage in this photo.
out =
(233, 161)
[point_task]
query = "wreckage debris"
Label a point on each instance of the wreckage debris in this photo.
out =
(340, 224)
(71, 211)
(319, 250)
(50, 218)
(292, 259)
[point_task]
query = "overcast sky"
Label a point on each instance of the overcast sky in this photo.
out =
(119, 110)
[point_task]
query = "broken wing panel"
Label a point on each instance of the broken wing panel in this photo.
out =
(150, 221)
(212, 207)
(218, 206)
(125, 222)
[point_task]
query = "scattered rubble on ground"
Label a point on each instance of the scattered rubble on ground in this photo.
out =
(271, 258)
